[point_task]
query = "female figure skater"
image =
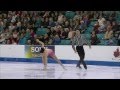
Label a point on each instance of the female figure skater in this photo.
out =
(45, 52)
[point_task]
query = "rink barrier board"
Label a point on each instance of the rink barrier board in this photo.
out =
(33, 60)
(97, 55)
(63, 52)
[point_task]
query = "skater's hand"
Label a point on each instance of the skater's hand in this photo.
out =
(75, 51)
(37, 40)
(90, 46)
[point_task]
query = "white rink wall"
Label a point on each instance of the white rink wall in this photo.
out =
(12, 51)
(65, 52)
(96, 53)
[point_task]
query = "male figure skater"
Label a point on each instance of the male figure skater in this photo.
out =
(79, 40)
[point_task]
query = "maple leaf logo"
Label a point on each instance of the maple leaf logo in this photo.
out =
(116, 53)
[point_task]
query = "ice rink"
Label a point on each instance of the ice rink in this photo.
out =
(23, 70)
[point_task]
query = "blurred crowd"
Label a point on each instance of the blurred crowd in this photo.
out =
(51, 27)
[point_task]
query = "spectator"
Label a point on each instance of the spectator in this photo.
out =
(1, 26)
(46, 23)
(96, 26)
(82, 26)
(32, 33)
(119, 39)
(51, 22)
(102, 27)
(115, 28)
(15, 35)
(11, 27)
(18, 27)
(10, 38)
(77, 16)
(27, 35)
(2, 38)
(7, 33)
(111, 19)
(77, 25)
(60, 18)
(29, 42)
(70, 33)
(22, 40)
(46, 39)
(50, 42)
(56, 40)
(64, 34)
(108, 33)
(71, 23)
(94, 38)
(48, 32)
(8, 42)
(66, 24)
(101, 20)
(13, 42)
